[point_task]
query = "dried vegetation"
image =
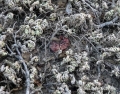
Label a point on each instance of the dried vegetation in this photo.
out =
(59, 46)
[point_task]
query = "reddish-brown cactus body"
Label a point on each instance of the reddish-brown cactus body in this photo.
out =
(61, 44)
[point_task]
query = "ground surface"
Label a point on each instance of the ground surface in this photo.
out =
(59, 46)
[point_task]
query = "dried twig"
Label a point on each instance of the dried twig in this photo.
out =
(107, 23)
(91, 44)
(23, 62)
(53, 35)
(93, 9)
(19, 56)
(25, 67)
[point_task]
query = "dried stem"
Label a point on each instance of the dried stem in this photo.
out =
(25, 67)
(53, 35)
(107, 23)
(91, 44)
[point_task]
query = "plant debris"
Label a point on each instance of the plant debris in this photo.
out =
(59, 46)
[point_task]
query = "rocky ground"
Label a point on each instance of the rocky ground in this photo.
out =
(59, 46)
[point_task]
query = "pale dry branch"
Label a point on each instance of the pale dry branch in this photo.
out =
(107, 23)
